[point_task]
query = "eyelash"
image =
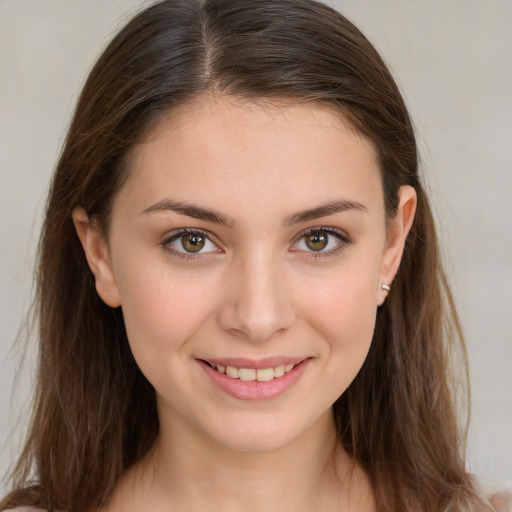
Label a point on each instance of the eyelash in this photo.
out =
(343, 241)
(342, 238)
(180, 233)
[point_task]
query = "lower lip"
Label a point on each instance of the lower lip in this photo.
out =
(253, 389)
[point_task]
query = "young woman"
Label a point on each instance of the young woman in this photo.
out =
(241, 303)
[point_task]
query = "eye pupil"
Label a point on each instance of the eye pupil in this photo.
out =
(317, 241)
(193, 243)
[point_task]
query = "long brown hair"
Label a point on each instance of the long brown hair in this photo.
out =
(94, 412)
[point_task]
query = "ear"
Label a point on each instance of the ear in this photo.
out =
(398, 230)
(98, 257)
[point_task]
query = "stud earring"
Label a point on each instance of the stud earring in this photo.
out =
(386, 287)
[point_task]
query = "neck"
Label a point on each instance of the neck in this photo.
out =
(257, 480)
(187, 471)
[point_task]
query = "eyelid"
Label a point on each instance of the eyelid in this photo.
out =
(343, 239)
(178, 233)
(340, 235)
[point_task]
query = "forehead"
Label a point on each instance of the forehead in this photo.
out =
(221, 149)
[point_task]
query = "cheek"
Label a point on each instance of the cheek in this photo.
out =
(344, 302)
(162, 310)
(343, 310)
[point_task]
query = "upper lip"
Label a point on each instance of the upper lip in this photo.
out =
(267, 362)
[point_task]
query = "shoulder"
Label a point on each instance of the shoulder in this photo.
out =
(496, 490)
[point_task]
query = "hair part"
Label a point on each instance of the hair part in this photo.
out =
(95, 413)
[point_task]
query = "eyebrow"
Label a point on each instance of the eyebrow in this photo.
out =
(197, 212)
(325, 210)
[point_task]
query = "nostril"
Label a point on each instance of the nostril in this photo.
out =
(256, 308)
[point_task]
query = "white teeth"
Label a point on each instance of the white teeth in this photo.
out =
(265, 374)
(279, 371)
(232, 372)
(247, 374)
(250, 374)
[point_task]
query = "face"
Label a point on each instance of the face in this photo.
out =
(247, 250)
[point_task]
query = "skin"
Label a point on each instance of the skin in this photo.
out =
(255, 290)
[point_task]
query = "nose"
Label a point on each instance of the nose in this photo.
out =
(256, 304)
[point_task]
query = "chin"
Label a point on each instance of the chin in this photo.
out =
(261, 442)
(261, 434)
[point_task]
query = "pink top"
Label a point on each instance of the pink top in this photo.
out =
(497, 490)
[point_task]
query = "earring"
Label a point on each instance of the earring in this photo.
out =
(386, 287)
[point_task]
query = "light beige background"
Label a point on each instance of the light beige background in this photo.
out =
(452, 60)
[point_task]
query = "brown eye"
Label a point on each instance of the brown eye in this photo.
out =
(317, 241)
(193, 242)
(323, 241)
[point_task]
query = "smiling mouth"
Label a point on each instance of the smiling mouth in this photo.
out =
(252, 374)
